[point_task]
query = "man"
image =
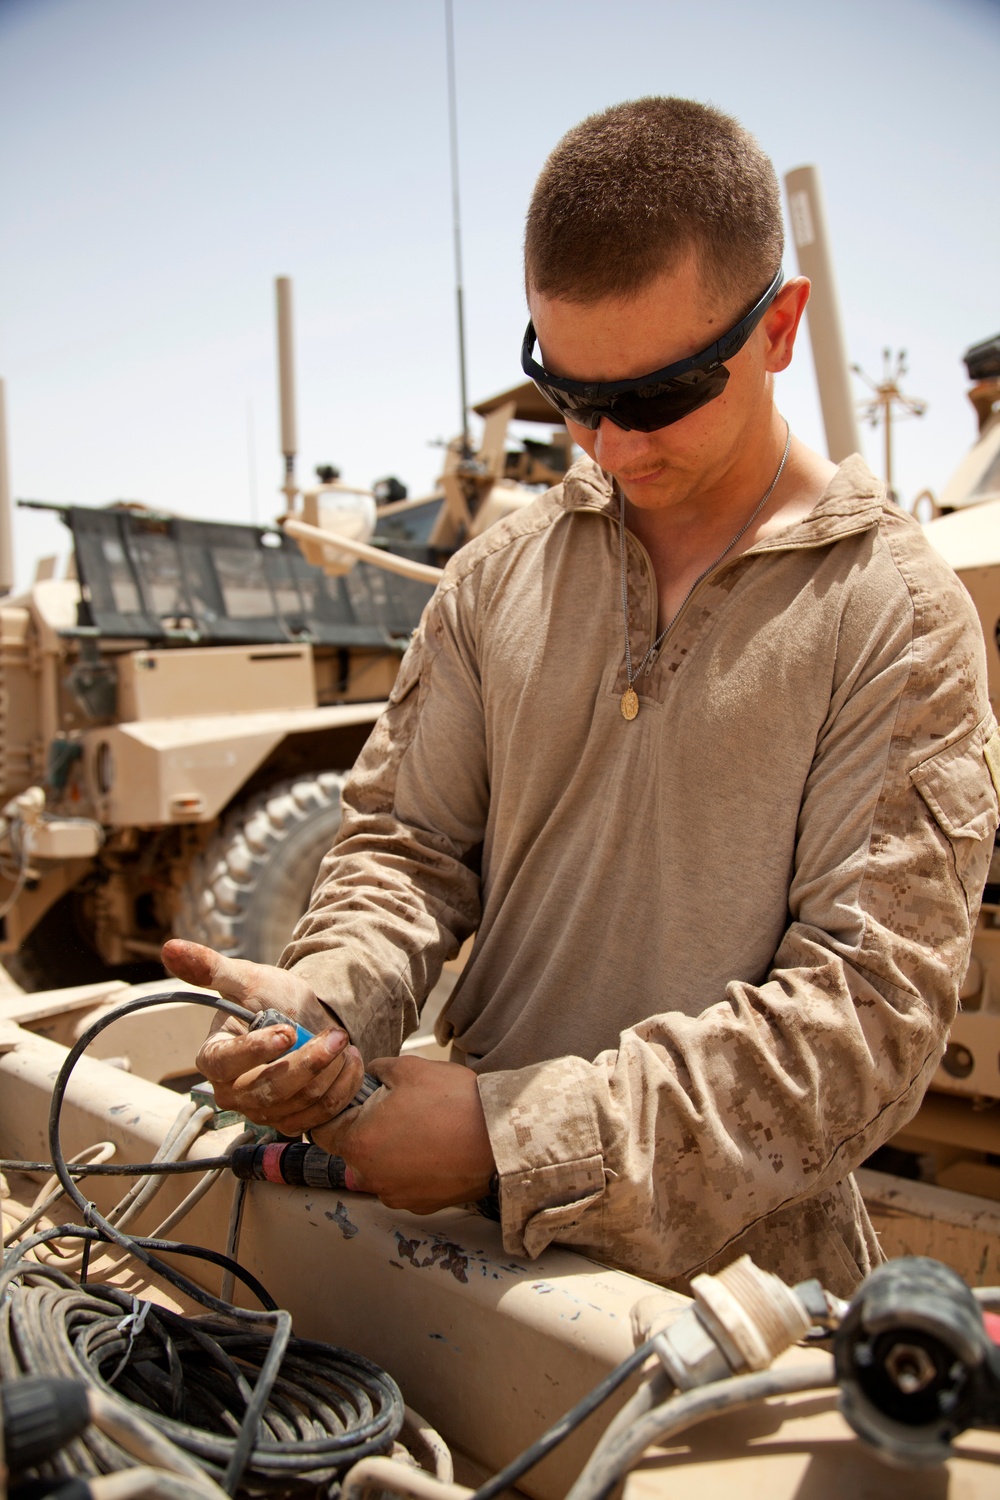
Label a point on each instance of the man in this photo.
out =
(706, 768)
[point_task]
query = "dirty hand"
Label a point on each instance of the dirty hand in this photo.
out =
(247, 1070)
(420, 1142)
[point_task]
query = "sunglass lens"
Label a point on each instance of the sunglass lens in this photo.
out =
(573, 408)
(642, 411)
(649, 412)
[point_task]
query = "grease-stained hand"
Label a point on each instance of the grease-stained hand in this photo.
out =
(421, 1141)
(294, 1092)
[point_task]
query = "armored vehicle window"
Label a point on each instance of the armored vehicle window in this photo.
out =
(151, 576)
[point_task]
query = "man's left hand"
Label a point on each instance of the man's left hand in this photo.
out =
(420, 1142)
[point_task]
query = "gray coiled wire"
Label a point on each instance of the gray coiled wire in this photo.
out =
(193, 1379)
(259, 1410)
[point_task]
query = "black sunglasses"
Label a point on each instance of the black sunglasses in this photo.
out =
(650, 401)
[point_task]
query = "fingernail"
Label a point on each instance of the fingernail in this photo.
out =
(280, 1038)
(350, 1181)
(335, 1042)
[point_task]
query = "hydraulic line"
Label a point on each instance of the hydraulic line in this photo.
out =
(146, 1484)
(426, 1445)
(49, 1194)
(385, 1476)
(181, 1137)
(611, 1460)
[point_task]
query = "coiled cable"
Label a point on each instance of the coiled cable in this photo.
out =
(254, 1406)
(194, 1380)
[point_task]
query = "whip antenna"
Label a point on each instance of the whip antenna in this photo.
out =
(456, 222)
(286, 385)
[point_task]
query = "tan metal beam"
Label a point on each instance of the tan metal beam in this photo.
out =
(808, 219)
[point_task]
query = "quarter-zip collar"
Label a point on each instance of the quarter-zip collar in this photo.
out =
(852, 502)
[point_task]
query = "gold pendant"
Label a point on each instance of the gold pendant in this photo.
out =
(629, 703)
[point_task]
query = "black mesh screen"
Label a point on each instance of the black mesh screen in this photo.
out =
(224, 582)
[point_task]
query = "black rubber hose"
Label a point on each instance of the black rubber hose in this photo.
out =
(170, 1247)
(79, 1170)
(567, 1424)
(90, 1214)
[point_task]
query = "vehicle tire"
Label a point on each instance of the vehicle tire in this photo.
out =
(248, 887)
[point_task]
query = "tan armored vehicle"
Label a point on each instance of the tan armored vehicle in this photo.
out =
(176, 722)
(177, 715)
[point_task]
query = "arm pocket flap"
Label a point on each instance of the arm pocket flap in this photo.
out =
(958, 783)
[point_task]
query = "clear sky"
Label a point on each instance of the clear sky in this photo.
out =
(162, 160)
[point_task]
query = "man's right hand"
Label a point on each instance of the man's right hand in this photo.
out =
(292, 1092)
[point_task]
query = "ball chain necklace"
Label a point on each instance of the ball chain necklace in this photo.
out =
(630, 699)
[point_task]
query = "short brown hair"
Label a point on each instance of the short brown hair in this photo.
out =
(628, 192)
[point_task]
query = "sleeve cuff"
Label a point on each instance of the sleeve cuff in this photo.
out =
(543, 1129)
(376, 1017)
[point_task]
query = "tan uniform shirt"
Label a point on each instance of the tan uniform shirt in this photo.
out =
(718, 948)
